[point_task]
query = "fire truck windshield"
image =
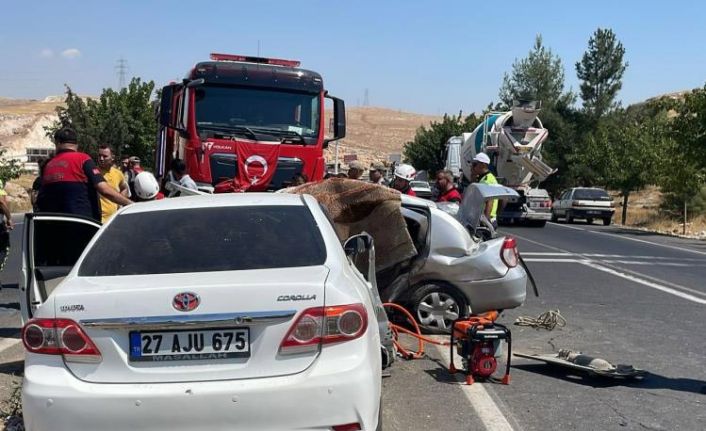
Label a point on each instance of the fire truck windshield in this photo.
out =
(282, 114)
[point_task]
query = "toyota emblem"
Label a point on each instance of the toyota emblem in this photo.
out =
(186, 301)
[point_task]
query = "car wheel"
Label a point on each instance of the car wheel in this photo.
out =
(606, 222)
(555, 218)
(569, 217)
(538, 223)
(589, 220)
(436, 307)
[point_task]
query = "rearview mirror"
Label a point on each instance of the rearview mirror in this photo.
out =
(339, 120)
(358, 244)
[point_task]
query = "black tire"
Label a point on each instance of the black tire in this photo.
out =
(538, 223)
(606, 221)
(589, 220)
(569, 217)
(428, 305)
(555, 218)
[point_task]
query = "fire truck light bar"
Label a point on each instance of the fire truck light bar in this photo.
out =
(261, 60)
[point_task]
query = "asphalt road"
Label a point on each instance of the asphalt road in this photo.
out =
(628, 297)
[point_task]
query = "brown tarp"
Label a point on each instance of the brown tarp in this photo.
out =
(356, 206)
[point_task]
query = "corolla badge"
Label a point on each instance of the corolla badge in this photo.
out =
(186, 301)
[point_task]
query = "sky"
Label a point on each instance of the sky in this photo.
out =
(429, 57)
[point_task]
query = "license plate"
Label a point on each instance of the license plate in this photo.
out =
(189, 345)
(593, 212)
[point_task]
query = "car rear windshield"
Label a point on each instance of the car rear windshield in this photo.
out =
(591, 195)
(206, 239)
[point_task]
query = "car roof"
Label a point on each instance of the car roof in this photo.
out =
(588, 188)
(217, 200)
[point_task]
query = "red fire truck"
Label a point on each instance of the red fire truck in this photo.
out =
(246, 123)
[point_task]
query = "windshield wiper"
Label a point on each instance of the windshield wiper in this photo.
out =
(289, 135)
(242, 130)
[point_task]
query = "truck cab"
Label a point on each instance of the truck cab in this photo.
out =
(249, 122)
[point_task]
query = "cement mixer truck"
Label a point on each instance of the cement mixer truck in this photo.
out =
(513, 141)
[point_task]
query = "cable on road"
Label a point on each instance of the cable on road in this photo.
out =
(547, 320)
(416, 333)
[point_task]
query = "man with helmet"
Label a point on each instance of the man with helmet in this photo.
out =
(147, 187)
(404, 174)
(480, 171)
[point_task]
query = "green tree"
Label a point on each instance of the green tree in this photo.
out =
(122, 119)
(427, 150)
(623, 153)
(539, 76)
(684, 175)
(9, 168)
(601, 71)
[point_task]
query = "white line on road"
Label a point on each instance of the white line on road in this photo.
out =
(632, 239)
(541, 253)
(484, 406)
(645, 282)
(640, 280)
(6, 343)
(539, 259)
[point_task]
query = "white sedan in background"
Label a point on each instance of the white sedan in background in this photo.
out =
(221, 312)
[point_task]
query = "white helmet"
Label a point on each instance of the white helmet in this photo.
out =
(146, 185)
(482, 158)
(406, 172)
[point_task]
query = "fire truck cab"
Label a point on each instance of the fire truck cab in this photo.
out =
(249, 122)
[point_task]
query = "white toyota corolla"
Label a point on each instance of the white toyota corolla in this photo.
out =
(225, 312)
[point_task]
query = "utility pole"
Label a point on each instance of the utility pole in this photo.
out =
(121, 69)
(366, 99)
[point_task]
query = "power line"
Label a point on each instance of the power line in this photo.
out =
(121, 68)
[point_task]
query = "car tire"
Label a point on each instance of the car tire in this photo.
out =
(539, 223)
(436, 306)
(555, 218)
(589, 220)
(569, 217)
(606, 222)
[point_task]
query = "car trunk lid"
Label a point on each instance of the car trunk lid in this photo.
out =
(136, 323)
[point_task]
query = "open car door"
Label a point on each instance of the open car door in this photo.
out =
(51, 245)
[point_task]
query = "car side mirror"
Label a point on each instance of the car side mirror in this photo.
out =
(339, 120)
(358, 244)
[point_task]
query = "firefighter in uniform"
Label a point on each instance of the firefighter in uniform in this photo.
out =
(71, 182)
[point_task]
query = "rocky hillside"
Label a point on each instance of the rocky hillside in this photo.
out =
(375, 133)
(22, 124)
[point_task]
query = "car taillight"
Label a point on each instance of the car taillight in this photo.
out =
(324, 325)
(508, 252)
(547, 204)
(59, 337)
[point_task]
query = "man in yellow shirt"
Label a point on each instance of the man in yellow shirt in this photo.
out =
(114, 178)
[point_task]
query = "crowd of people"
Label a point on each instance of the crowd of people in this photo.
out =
(445, 186)
(71, 182)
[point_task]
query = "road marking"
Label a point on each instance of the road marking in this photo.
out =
(6, 343)
(541, 253)
(645, 282)
(483, 404)
(539, 259)
(640, 278)
(633, 239)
